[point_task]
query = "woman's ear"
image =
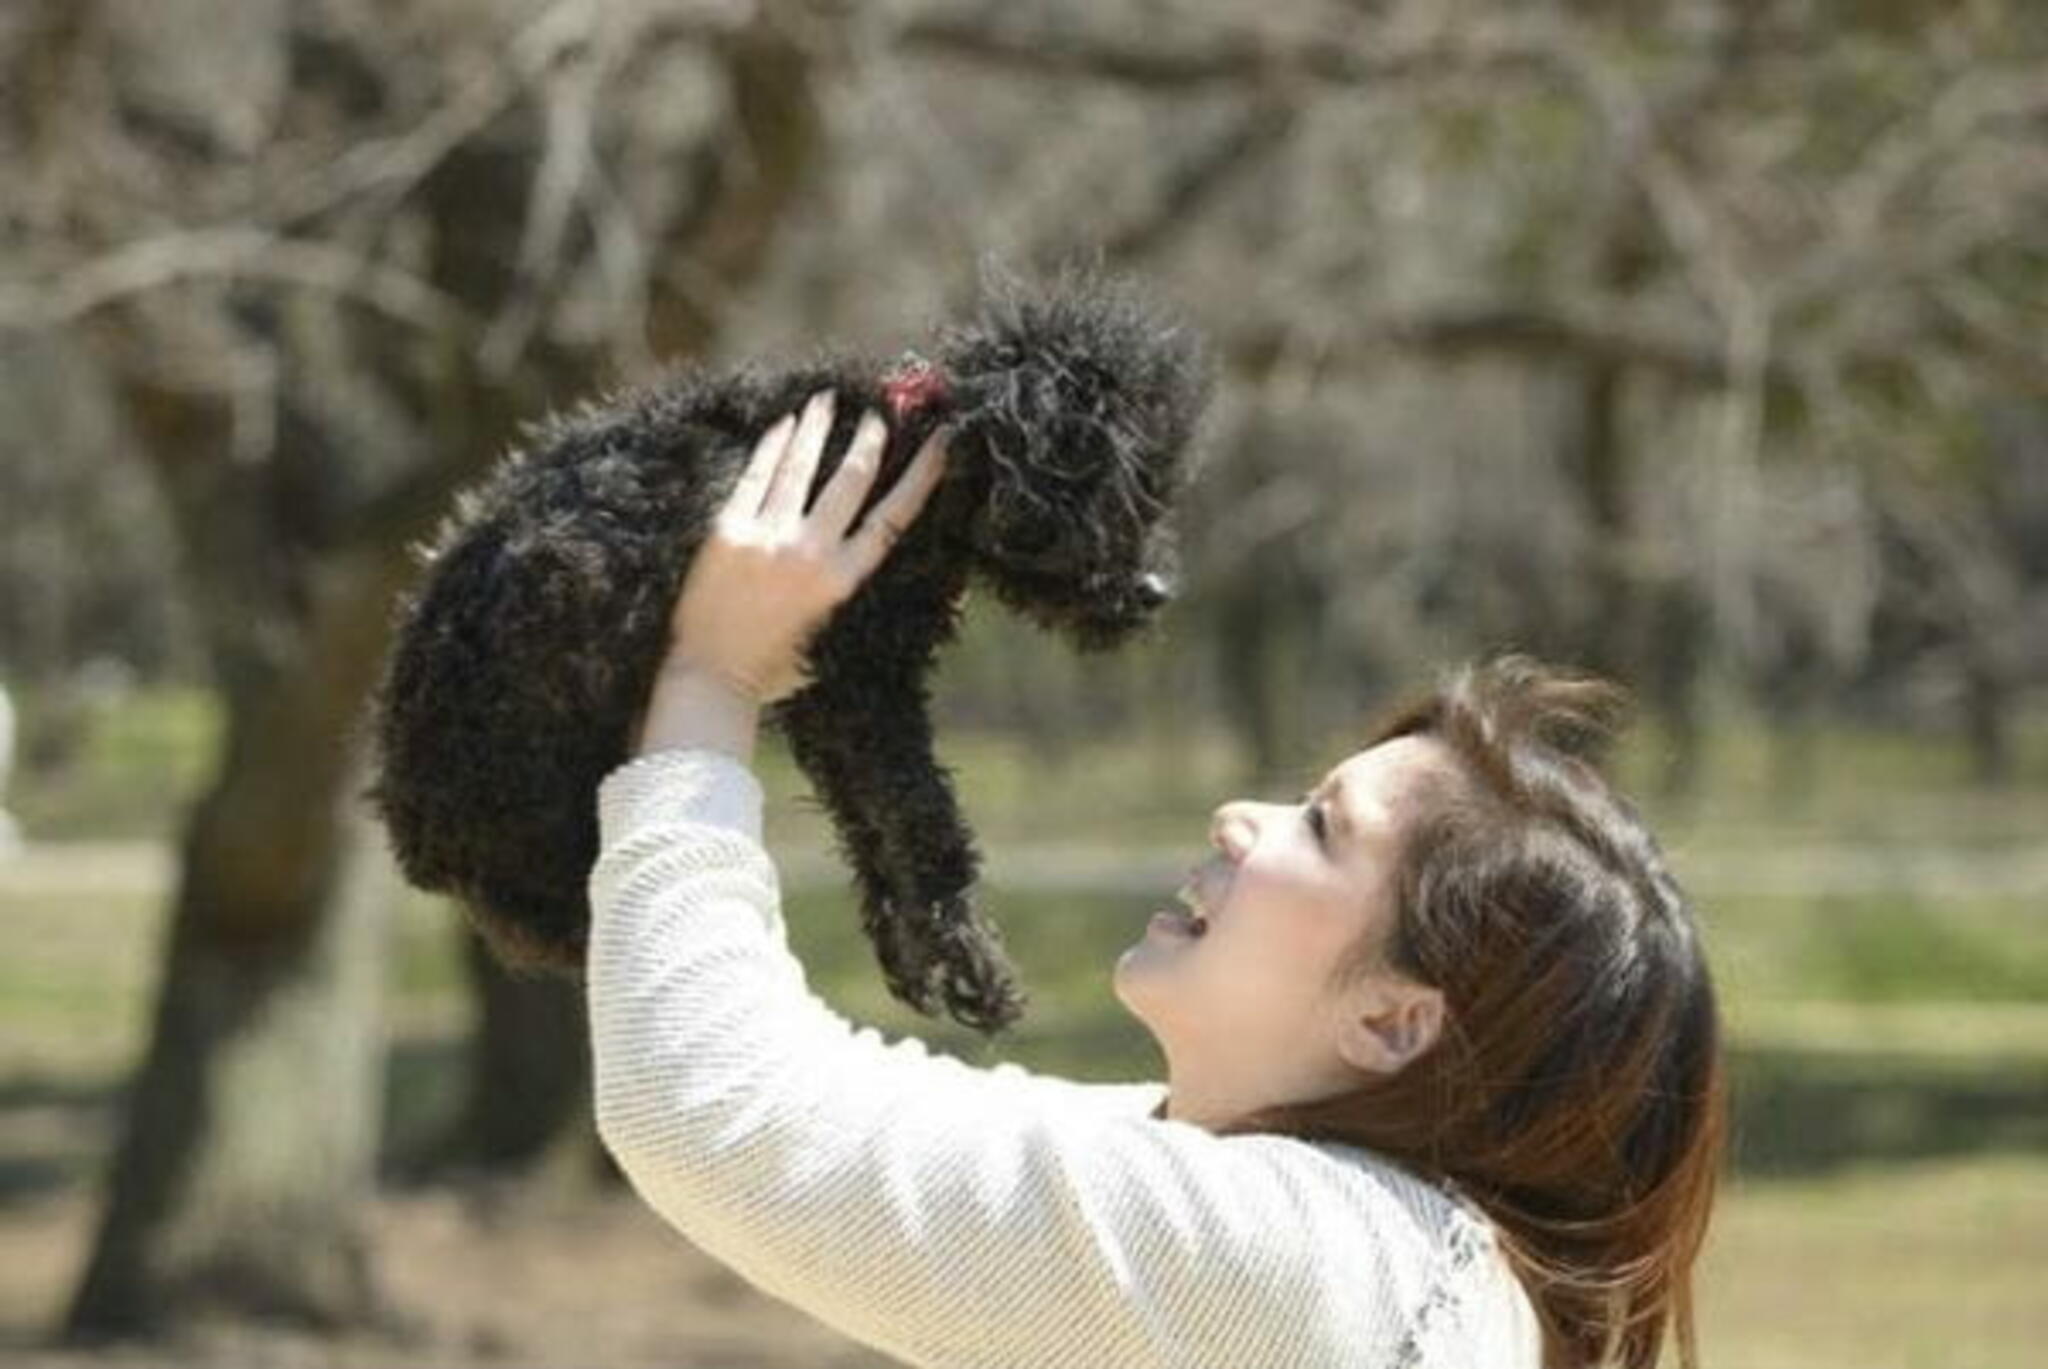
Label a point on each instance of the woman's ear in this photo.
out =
(1388, 1023)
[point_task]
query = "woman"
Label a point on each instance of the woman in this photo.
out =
(1443, 1078)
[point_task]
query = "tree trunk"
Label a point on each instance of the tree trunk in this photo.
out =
(529, 1068)
(1606, 483)
(1987, 710)
(1676, 648)
(248, 1150)
(1262, 668)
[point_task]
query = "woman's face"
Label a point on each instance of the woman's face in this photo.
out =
(1237, 990)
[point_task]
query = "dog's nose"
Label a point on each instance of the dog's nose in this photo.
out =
(1154, 589)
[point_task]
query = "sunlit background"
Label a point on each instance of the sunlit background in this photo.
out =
(1704, 344)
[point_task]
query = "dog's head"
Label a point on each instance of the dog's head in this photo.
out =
(1079, 403)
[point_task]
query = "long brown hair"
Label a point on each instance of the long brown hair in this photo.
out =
(1576, 1092)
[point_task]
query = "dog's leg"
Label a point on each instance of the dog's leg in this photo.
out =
(866, 744)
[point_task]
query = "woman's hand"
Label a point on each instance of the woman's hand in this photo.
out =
(769, 574)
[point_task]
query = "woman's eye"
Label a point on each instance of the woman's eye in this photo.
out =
(1314, 817)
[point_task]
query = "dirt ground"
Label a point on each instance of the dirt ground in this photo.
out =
(510, 1284)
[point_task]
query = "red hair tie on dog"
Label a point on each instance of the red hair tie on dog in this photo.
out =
(911, 385)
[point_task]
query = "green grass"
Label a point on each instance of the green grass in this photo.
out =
(136, 767)
(75, 976)
(1854, 783)
(1928, 1265)
(1879, 947)
(1900, 949)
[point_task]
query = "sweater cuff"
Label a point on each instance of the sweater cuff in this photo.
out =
(679, 785)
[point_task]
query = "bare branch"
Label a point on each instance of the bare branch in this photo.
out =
(1519, 331)
(391, 167)
(1973, 101)
(1243, 58)
(226, 254)
(1202, 174)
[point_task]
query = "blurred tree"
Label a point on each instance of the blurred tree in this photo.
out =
(404, 207)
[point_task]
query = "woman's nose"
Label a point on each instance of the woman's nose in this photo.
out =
(1233, 830)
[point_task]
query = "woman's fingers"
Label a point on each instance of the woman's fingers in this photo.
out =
(752, 486)
(889, 519)
(785, 461)
(784, 503)
(843, 494)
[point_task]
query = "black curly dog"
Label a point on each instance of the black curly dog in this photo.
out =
(521, 663)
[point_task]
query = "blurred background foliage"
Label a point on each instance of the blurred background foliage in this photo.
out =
(1701, 342)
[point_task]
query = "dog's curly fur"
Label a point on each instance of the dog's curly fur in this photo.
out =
(522, 662)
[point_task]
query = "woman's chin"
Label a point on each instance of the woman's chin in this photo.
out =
(1140, 959)
(1146, 969)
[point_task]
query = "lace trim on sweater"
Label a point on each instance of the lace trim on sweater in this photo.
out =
(1438, 1319)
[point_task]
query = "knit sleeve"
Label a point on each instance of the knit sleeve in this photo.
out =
(945, 1214)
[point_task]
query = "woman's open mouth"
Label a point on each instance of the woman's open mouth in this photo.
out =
(1187, 920)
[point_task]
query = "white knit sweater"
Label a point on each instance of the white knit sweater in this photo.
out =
(976, 1218)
